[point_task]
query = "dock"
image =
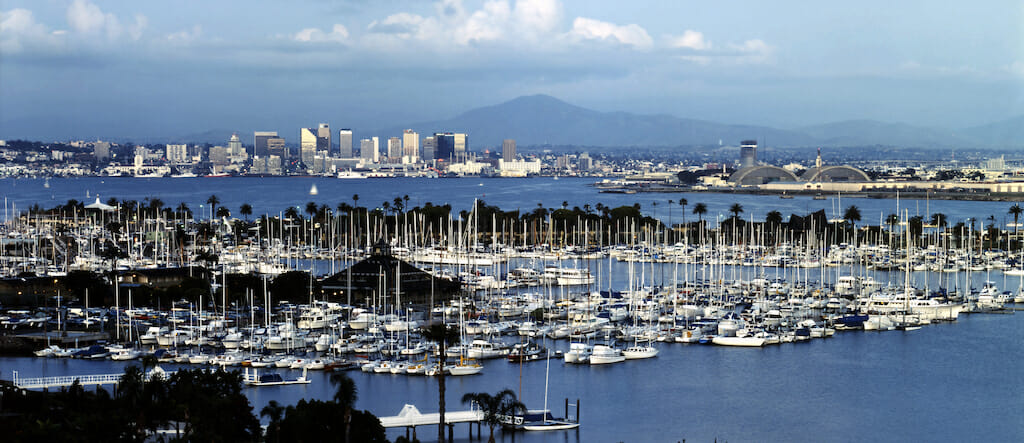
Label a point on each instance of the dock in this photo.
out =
(254, 379)
(68, 380)
(410, 417)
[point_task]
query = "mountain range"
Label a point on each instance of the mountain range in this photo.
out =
(540, 120)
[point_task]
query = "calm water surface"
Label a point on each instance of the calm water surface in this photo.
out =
(272, 195)
(946, 382)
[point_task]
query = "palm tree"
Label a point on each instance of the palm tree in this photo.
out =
(1015, 211)
(311, 209)
(399, 204)
(939, 220)
(275, 412)
(682, 204)
(245, 210)
(355, 200)
(443, 335)
(345, 397)
(852, 215)
(213, 202)
(183, 210)
(736, 209)
(773, 218)
(700, 209)
(155, 204)
(495, 407)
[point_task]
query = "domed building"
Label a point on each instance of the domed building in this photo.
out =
(838, 173)
(752, 174)
(761, 174)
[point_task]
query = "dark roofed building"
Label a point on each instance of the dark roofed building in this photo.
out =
(378, 274)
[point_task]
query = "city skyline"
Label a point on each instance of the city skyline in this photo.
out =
(252, 66)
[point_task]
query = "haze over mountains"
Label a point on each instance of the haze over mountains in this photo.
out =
(544, 120)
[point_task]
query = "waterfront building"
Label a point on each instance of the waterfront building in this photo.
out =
(411, 145)
(518, 168)
(177, 154)
(345, 143)
(218, 155)
(260, 143)
(508, 149)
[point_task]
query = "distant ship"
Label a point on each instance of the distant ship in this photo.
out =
(221, 174)
(350, 174)
(184, 175)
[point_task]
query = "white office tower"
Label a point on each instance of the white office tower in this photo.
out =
(411, 145)
(345, 143)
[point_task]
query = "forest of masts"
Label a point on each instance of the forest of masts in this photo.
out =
(151, 229)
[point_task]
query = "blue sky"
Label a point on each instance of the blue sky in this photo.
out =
(85, 69)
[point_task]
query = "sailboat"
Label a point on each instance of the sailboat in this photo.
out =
(313, 190)
(549, 423)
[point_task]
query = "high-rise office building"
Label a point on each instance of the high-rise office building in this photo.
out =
(275, 147)
(411, 144)
(461, 146)
(394, 150)
(429, 148)
(508, 149)
(345, 143)
(451, 146)
(323, 138)
(307, 144)
(312, 140)
(259, 144)
(368, 150)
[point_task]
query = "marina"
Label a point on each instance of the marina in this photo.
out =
(791, 319)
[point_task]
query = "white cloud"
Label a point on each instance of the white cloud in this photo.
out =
(590, 29)
(185, 35)
(87, 18)
(691, 40)
(1016, 68)
(538, 16)
(19, 29)
(314, 35)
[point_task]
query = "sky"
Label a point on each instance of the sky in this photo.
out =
(86, 69)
